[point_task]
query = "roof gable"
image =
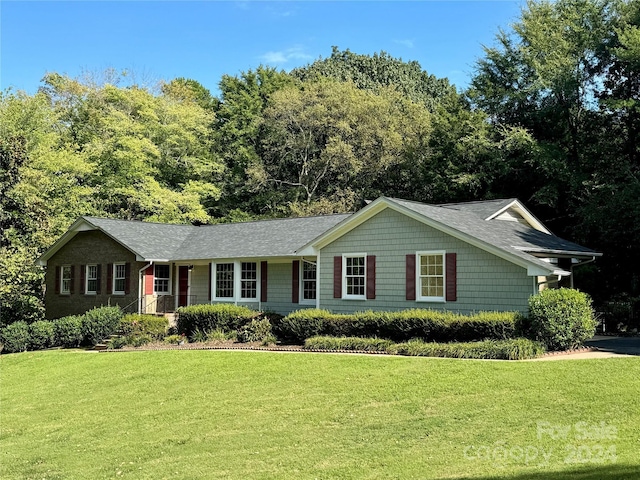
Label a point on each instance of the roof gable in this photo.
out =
(506, 239)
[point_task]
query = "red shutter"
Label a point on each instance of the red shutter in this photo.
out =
(337, 277)
(295, 281)
(98, 278)
(452, 280)
(210, 283)
(127, 278)
(263, 281)
(371, 277)
(148, 281)
(83, 270)
(109, 278)
(411, 276)
(72, 278)
(57, 280)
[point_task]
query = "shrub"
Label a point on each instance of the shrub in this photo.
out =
(218, 335)
(117, 343)
(68, 331)
(255, 331)
(139, 340)
(513, 349)
(348, 343)
(152, 325)
(432, 325)
(175, 339)
(15, 337)
(41, 335)
(302, 324)
(561, 318)
(99, 323)
(209, 317)
(198, 336)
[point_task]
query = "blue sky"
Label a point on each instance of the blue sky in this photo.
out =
(205, 39)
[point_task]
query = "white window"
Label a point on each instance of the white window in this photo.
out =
(161, 277)
(309, 281)
(224, 280)
(354, 279)
(119, 278)
(249, 280)
(65, 279)
(430, 275)
(92, 279)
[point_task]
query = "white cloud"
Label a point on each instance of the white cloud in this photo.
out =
(406, 42)
(284, 56)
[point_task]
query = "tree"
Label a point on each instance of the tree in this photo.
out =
(568, 73)
(328, 138)
(238, 134)
(377, 72)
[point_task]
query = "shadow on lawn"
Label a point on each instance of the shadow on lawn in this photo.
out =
(602, 472)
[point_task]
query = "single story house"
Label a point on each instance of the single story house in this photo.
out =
(392, 254)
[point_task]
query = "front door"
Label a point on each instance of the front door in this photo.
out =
(183, 286)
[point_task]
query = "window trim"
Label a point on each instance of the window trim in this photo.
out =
(345, 295)
(87, 279)
(256, 280)
(237, 281)
(62, 290)
(124, 278)
(419, 296)
(302, 300)
(169, 283)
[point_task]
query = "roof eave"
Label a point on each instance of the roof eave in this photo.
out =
(558, 252)
(527, 215)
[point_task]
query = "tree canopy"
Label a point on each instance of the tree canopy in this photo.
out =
(552, 116)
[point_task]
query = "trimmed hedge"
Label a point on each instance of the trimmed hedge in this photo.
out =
(99, 323)
(15, 337)
(348, 343)
(152, 325)
(68, 331)
(208, 317)
(41, 335)
(561, 318)
(430, 325)
(513, 349)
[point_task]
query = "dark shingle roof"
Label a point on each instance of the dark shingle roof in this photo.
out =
(483, 209)
(267, 238)
(151, 241)
(512, 237)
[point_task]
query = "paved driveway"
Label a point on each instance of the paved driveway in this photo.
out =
(624, 345)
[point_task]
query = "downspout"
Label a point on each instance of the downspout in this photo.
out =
(141, 286)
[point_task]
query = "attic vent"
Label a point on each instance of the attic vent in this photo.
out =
(511, 215)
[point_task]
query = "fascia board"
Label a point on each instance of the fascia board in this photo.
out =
(80, 225)
(528, 216)
(566, 253)
(344, 227)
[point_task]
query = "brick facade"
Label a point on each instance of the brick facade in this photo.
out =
(89, 248)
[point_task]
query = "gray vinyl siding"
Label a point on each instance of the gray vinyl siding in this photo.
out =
(485, 281)
(278, 288)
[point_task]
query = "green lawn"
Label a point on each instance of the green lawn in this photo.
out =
(216, 414)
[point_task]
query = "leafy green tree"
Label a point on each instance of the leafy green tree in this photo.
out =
(378, 71)
(238, 135)
(328, 138)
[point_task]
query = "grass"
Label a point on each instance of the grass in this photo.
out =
(216, 414)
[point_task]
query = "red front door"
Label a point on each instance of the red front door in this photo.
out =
(183, 286)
